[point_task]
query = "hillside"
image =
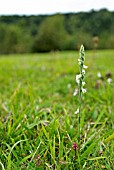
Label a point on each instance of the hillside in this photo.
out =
(20, 34)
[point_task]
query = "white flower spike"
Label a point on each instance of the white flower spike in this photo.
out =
(80, 77)
(81, 90)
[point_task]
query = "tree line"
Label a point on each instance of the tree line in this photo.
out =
(23, 34)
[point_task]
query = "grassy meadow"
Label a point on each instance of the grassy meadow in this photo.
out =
(37, 122)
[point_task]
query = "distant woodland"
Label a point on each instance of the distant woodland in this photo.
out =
(43, 33)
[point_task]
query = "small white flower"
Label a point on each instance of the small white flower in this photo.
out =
(84, 90)
(85, 66)
(83, 83)
(78, 78)
(99, 75)
(75, 92)
(109, 80)
(79, 61)
(77, 111)
(83, 71)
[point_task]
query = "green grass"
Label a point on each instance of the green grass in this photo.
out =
(38, 126)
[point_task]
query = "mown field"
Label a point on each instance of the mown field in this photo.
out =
(37, 122)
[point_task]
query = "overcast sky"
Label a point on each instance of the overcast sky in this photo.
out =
(29, 7)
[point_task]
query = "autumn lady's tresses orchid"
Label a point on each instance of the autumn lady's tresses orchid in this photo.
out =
(81, 90)
(80, 77)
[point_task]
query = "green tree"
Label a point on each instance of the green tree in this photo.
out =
(52, 35)
(9, 39)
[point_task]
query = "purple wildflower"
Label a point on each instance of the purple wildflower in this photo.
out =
(75, 146)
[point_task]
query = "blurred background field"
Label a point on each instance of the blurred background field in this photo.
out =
(48, 71)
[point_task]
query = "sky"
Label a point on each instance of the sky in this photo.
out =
(36, 7)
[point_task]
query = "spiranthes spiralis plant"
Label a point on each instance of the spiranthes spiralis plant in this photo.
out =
(81, 90)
